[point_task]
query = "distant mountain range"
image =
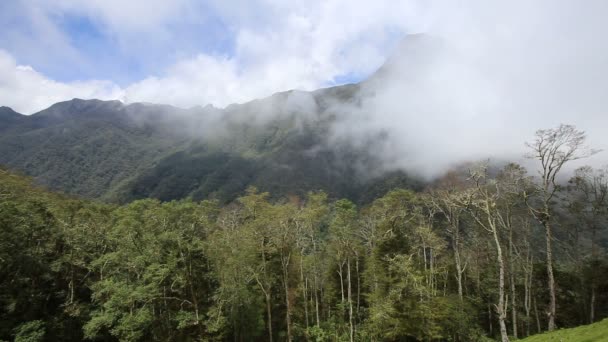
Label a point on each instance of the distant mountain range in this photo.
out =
(282, 144)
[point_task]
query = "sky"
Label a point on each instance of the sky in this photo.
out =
(503, 68)
(190, 52)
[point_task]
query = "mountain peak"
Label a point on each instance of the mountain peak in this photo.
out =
(8, 112)
(76, 108)
(8, 118)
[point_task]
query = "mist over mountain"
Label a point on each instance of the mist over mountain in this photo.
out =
(434, 104)
(285, 143)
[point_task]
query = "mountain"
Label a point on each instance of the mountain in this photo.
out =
(9, 118)
(117, 152)
(81, 147)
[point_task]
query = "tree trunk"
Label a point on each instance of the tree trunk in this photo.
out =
(358, 287)
(317, 303)
(513, 308)
(350, 302)
(340, 265)
(459, 271)
(527, 307)
(528, 293)
(287, 301)
(593, 284)
(304, 282)
(432, 275)
(426, 277)
(512, 281)
(592, 313)
(552, 301)
(538, 330)
(500, 308)
(491, 328)
(266, 294)
(269, 313)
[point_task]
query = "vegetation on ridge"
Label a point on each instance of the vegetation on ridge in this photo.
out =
(465, 260)
(119, 153)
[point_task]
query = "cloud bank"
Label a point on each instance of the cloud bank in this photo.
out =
(487, 78)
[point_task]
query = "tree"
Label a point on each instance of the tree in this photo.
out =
(238, 307)
(284, 237)
(342, 229)
(553, 148)
(482, 201)
(590, 203)
(311, 219)
(443, 200)
(262, 269)
(256, 220)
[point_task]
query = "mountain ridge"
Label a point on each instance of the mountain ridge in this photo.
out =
(280, 143)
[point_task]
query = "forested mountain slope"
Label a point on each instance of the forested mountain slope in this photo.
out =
(82, 147)
(122, 152)
(286, 143)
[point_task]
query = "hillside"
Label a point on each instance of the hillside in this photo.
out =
(81, 147)
(284, 144)
(116, 152)
(597, 332)
(74, 270)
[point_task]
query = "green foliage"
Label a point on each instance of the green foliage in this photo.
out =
(32, 331)
(259, 268)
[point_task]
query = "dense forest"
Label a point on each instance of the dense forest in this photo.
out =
(485, 252)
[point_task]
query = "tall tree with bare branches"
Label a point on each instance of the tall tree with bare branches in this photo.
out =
(553, 148)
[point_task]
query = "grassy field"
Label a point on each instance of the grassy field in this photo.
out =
(587, 333)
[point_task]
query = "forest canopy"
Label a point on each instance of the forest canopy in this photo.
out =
(484, 252)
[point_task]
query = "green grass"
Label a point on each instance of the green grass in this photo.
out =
(595, 332)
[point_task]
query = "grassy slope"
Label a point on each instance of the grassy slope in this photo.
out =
(587, 333)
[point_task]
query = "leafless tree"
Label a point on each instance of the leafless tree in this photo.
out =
(553, 148)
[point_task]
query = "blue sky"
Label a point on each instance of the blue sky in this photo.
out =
(189, 52)
(109, 59)
(102, 50)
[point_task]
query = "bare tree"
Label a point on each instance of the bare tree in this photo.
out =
(553, 148)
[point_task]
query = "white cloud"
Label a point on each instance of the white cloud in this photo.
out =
(302, 45)
(190, 82)
(27, 91)
(502, 70)
(278, 45)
